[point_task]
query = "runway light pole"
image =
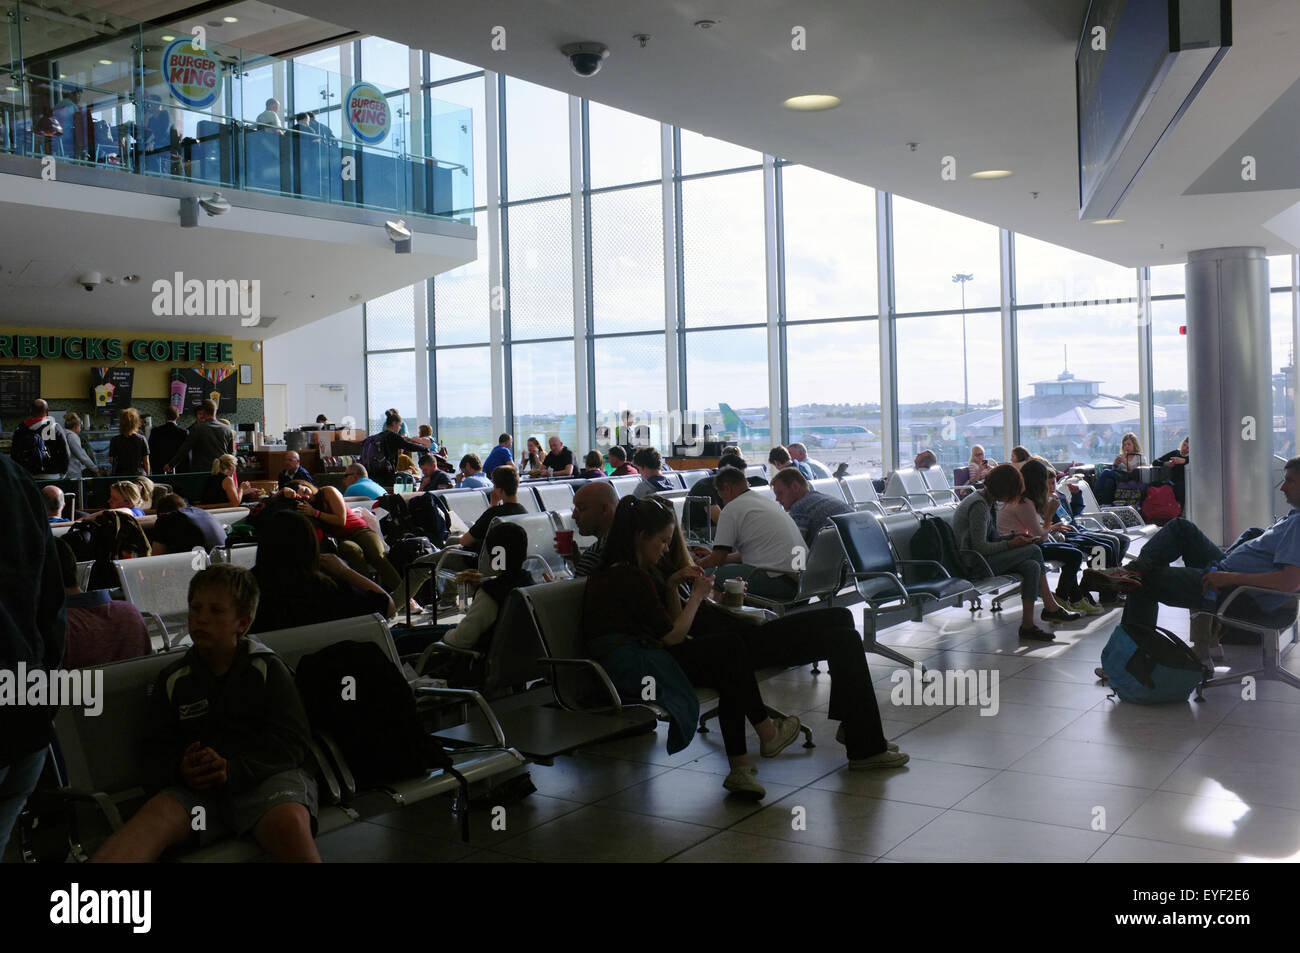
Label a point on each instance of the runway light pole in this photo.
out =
(965, 387)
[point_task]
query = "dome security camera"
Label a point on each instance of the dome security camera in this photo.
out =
(586, 58)
(90, 280)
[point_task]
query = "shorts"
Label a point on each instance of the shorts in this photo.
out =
(230, 815)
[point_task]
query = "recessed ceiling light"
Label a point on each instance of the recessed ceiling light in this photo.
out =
(167, 37)
(991, 174)
(105, 62)
(231, 19)
(706, 24)
(130, 279)
(812, 102)
(11, 89)
(1107, 221)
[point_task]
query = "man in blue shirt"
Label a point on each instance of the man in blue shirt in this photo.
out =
(53, 503)
(471, 473)
(293, 470)
(500, 454)
(810, 509)
(357, 482)
(1269, 561)
(799, 456)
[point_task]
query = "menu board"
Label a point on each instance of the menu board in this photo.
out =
(110, 387)
(192, 386)
(20, 384)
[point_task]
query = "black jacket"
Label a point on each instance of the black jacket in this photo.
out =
(251, 716)
(32, 625)
(164, 442)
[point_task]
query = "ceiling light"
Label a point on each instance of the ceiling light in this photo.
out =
(167, 37)
(231, 19)
(706, 24)
(1107, 221)
(105, 62)
(63, 76)
(991, 174)
(812, 102)
(11, 89)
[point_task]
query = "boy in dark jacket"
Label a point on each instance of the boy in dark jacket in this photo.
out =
(230, 746)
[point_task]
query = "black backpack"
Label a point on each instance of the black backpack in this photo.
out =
(935, 540)
(376, 727)
(33, 453)
(431, 516)
(396, 522)
(102, 538)
(372, 457)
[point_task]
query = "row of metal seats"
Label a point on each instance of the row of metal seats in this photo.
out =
(104, 756)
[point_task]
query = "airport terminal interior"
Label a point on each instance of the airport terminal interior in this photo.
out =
(916, 269)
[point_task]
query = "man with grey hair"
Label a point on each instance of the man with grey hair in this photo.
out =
(294, 470)
(357, 482)
(53, 503)
(593, 512)
(799, 454)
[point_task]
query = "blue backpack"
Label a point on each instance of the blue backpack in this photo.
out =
(1149, 665)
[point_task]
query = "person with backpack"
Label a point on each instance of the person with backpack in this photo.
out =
(39, 444)
(974, 527)
(379, 450)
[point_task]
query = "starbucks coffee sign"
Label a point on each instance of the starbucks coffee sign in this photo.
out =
(82, 348)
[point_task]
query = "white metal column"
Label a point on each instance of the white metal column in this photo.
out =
(496, 293)
(1146, 392)
(671, 317)
(1010, 371)
(420, 291)
(583, 424)
(775, 399)
(888, 357)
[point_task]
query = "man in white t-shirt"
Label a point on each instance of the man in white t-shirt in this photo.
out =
(756, 540)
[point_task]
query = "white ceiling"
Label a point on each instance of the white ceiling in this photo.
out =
(308, 268)
(990, 83)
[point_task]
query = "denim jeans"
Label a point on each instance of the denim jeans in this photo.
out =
(1171, 585)
(17, 780)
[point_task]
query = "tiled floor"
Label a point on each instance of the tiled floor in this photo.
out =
(1059, 773)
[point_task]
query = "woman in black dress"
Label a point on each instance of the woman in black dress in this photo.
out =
(128, 452)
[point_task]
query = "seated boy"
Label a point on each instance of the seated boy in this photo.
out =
(229, 735)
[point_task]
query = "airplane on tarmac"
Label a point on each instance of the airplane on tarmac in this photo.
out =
(814, 435)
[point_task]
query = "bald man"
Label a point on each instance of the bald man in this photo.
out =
(593, 511)
(53, 503)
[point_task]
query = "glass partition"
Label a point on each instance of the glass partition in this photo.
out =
(101, 90)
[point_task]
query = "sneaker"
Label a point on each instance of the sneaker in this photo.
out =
(1085, 606)
(1060, 614)
(839, 736)
(886, 759)
(741, 781)
(787, 729)
(1121, 578)
(1037, 634)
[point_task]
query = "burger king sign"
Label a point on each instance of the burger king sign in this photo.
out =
(192, 74)
(367, 113)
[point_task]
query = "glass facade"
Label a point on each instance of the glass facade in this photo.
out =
(743, 292)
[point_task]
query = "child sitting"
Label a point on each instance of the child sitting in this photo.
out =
(229, 736)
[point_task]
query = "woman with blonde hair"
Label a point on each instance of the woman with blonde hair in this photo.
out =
(125, 495)
(128, 452)
(1130, 454)
(222, 485)
(149, 491)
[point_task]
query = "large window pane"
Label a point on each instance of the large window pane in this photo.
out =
(834, 392)
(627, 260)
(730, 368)
(830, 245)
(706, 154)
(390, 382)
(465, 401)
(461, 297)
(1077, 408)
(1168, 279)
(630, 375)
(442, 67)
(390, 320)
(930, 246)
(537, 140)
(1279, 271)
(385, 62)
(1169, 372)
(541, 270)
(950, 398)
(1283, 364)
(1049, 273)
(545, 402)
(723, 261)
(624, 147)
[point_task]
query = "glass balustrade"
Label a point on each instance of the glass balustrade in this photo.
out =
(103, 91)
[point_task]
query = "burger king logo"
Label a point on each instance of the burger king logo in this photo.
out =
(367, 113)
(193, 75)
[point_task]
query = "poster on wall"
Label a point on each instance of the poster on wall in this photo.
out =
(110, 387)
(192, 386)
(20, 384)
